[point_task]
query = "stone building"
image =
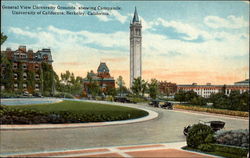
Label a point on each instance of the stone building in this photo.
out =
(206, 90)
(102, 78)
(135, 48)
(22, 68)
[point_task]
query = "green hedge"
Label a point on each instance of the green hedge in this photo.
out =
(222, 150)
(237, 151)
(213, 110)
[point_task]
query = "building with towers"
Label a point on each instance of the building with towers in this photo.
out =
(135, 48)
(102, 79)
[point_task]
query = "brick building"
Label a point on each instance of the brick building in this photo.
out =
(102, 78)
(23, 68)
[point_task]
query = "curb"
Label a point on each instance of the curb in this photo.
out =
(151, 115)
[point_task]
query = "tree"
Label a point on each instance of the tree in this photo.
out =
(138, 86)
(7, 78)
(120, 84)
(47, 75)
(70, 84)
(180, 96)
(144, 87)
(153, 88)
(3, 38)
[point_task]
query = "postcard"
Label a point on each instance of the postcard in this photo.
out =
(161, 66)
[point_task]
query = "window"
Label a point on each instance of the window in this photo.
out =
(15, 66)
(24, 76)
(25, 85)
(15, 76)
(15, 86)
(37, 77)
(24, 66)
(36, 67)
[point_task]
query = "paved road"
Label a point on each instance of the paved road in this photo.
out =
(166, 128)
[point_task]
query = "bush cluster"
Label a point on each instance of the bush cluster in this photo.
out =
(137, 99)
(109, 98)
(202, 138)
(9, 95)
(212, 110)
(233, 151)
(200, 134)
(63, 95)
(25, 116)
(234, 137)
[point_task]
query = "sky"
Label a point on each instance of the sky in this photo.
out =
(182, 42)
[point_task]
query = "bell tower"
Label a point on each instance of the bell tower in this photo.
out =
(135, 48)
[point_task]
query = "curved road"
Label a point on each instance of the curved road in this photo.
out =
(166, 128)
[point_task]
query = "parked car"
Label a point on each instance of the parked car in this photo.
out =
(38, 94)
(161, 104)
(27, 94)
(167, 105)
(154, 103)
(214, 124)
(123, 99)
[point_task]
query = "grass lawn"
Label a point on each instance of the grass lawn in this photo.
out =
(72, 112)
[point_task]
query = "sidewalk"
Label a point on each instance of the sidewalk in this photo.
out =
(148, 150)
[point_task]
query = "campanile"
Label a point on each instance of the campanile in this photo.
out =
(135, 48)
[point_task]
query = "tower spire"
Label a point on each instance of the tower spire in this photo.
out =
(136, 17)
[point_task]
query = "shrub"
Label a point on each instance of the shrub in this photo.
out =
(210, 139)
(213, 110)
(198, 134)
(46, 94)
(109, 98)
(8, 95)
(239, 152)
(206, 147)
(63, 95)
(234, 137)
(137, 99)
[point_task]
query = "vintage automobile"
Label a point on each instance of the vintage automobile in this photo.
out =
(161, 104)
(26, 94)
(214, 124)
(123, 100)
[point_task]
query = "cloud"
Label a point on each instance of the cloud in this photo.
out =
(164, 58)
(118, 16)
(22, 32)
(231, 22)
